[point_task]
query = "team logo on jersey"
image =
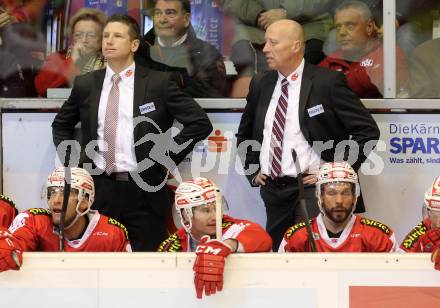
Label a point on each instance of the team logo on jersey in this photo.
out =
(294, 228)
(19, 221)
(171, 244)
(414, 235)
(226, 224)
(39, 211)
(114, 222)
(367, 63)
(376, 224)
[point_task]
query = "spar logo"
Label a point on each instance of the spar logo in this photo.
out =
(414, 138)
(419, 145)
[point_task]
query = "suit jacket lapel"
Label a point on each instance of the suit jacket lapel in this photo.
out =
(94, 102)
(140, 85)
(306, 86)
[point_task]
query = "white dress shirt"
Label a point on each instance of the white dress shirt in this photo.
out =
(293, 137)
(125, 157)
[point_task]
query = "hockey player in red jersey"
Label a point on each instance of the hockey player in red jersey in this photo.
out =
(195, 202)
(86, 230)
(7, 211)
(425, 237)
(336, 228)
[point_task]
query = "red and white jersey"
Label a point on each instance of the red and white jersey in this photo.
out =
(250, 235)
(411, 242)
(7, 211)
(33, 230)
(359, 235)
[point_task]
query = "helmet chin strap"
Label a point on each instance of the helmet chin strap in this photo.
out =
(78, 214)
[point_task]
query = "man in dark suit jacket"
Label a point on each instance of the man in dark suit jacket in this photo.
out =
(302, 107)
(126, 112)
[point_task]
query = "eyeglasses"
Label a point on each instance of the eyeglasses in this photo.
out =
(87, 35)
(168, 13)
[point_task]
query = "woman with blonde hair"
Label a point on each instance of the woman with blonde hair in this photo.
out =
(82, 56)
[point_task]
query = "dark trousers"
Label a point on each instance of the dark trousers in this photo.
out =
(283, 209)
(131, 206)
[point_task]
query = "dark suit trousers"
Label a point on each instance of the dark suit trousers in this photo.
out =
(283, 209)
(130, 205)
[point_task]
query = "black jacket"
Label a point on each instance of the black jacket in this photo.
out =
(343, 118)
(150, 87)
(208, 78)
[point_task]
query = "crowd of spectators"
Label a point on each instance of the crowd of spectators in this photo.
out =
(341, 35)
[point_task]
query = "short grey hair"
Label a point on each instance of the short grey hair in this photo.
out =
(357, 5)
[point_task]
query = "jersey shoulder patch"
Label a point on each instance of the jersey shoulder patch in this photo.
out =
(7, 200)
(171, 244)
(39, 211)
(291, 231)
(226, 223)
(114, 222)
(414, 235)
(376, 224)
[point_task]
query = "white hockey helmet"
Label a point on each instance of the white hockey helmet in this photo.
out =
(432, 197)
(193, 193)
(81, 181)
(334, 172)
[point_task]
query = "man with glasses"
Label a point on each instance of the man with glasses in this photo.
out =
(336, 228)
(425, 237)
(172, 45)
(37, 229)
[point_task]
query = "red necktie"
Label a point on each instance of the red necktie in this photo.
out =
(276, 141)
(111, 125)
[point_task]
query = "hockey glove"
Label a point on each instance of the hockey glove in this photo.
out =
(430, 240)
(209, 266)
(10, 257)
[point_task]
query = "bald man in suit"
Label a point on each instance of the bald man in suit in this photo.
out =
(297, 106)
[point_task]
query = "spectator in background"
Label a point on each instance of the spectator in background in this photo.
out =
(424, 68)
(21, 47)
(13, 11)
(252, 19)
(337, 229)
(172, 45)
(360, 56)
(415, 20)
(83, 56)
(18, 66)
